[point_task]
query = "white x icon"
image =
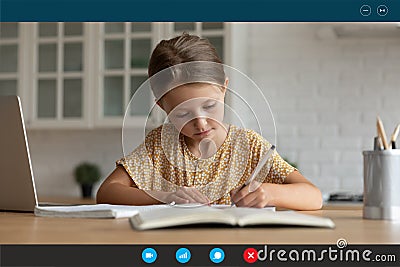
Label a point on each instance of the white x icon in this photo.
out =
(250, 255)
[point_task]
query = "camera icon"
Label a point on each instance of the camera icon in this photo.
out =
(149, 255)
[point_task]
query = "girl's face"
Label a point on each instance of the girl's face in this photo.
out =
(196, 110)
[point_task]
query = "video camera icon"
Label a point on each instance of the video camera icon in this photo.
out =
(149, 255)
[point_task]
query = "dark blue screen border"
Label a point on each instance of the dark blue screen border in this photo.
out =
(197, 10)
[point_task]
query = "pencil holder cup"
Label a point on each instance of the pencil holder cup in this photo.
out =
(382, 184)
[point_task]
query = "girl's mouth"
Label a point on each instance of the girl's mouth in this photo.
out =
(205, 133)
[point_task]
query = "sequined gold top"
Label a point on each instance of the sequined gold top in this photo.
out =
(164, 162)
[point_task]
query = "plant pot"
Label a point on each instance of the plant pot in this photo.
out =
(87, 190)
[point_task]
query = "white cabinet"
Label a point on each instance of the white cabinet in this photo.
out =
(83, 75)
(10, 56)
(60, 90)
(123, 53)
(9, 45)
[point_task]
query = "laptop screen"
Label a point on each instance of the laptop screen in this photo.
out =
(17, 186)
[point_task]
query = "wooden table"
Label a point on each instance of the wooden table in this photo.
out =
(25, 228)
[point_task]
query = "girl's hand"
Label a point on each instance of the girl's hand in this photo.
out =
(183, 195)
(259, 198)
(187, 195)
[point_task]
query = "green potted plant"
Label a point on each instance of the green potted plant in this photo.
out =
(87, 174)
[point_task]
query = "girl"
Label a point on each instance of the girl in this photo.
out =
(195, 110)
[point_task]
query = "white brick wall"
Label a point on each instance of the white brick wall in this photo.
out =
(335, 89)
(55, 153)
(325, 95)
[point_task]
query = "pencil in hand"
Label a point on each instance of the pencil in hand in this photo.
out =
(256, 171)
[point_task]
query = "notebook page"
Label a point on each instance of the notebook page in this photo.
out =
(95, 211)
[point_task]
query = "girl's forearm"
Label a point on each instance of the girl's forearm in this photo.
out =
(297, 196)
(119, 194)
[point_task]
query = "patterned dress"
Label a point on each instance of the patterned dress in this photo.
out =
(164, 163)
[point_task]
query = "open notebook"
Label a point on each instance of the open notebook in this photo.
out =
(94, 211)
(173, 216)
(112, 211)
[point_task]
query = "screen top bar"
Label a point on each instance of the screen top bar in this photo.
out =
(201, 10)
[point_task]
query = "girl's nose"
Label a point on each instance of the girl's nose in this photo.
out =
(200, 123)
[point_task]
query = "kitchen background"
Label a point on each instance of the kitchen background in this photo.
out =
(326, 83)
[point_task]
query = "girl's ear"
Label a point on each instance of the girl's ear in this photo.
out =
(225, 85)
(226, 82)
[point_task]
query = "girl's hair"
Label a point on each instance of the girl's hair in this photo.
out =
(181, 49)
(207, 66)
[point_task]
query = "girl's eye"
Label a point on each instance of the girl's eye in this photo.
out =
(180, 116)
(210, 106)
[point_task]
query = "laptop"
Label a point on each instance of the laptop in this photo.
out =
(17, 185)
